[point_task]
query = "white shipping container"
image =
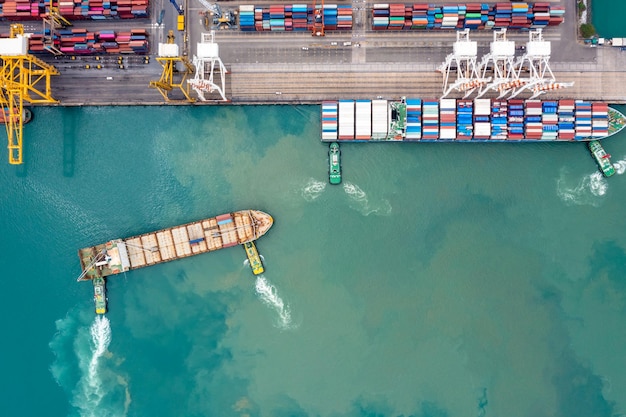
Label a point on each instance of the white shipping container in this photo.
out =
(380, 119)
(363, 119)
(346, 119)
(482, 107)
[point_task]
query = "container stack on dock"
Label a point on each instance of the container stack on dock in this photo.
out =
(518, 15)
(549, 119)
(76, 9)
(292, 17)
(599, 119)
(566, 120)
(413, 119)
(82, 41)
(478, 120)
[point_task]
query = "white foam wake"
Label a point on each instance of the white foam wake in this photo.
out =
(620, 166)
(586, 192)
(313, 189)
(269, 295)
(383, 208)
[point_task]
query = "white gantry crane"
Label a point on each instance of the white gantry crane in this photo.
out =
(500, 62)
(209, 66)
(536, 62)
(463, 60)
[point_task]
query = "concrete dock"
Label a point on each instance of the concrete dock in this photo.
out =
(295, 67)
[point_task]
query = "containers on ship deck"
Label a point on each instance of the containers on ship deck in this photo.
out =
(482, 119)
(549, 120)
(499, 122)
(380, 119)
(465, 119)
(517, 15)
(413, 119)
(599, 120)
(329, 120)
(516, 119)
(447, 119)
(582, 115)
(430, 120)
(566, 128)
(532, 120)
(363, 128)
(346, 120)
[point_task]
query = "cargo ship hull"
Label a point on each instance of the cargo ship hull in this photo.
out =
(479, 120)
(223, 231)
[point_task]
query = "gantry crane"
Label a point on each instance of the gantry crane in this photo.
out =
(23, 78)
(318, 20)
(51, 23)
(168, 57)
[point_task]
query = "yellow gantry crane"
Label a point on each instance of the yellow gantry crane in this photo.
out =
(168, 57)
(23, 78)
(51, 23)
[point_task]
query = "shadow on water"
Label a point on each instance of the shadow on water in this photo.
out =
(69, 142)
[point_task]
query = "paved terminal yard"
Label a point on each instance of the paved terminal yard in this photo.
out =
(295, 67)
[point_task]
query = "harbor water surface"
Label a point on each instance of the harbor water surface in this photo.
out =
(436, 280)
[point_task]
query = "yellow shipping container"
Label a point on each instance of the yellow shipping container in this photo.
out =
(181, 22)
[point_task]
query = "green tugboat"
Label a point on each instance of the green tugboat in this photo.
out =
(602, 158)
(334, 159)
(99, 295)
(254, 258)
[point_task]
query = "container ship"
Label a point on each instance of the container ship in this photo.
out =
(223, 231)
(460, 120)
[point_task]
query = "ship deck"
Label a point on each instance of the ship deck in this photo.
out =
(172, 243)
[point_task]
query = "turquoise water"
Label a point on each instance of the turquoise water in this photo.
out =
(608, 17)
(437, 280)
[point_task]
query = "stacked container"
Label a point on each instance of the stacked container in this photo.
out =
(363, 120)
(532, 120)
(293, 17)
(346, 119)
(82, 41)
(566, 120)
(447, 119)
(583, 119)
(329, 120)
(499, 122)
(482, 118)
(465, 119)
(246, 18)
(549, 119)
(599, 120)
(516, 119)
(430, 122)
(380, 119)
(413, 119)
(517, 15)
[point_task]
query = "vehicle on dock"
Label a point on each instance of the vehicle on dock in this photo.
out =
(253, 257)
(602, 158)
(120, 255)
(334, 161)
(100, 295)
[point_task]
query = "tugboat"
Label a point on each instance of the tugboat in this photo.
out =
(602, 158)
(334, 160)
(99, 295)
(253, 257)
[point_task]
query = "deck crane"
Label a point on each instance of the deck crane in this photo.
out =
(219, 17)
(23, 78)
(168, 56)
(318, 20)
